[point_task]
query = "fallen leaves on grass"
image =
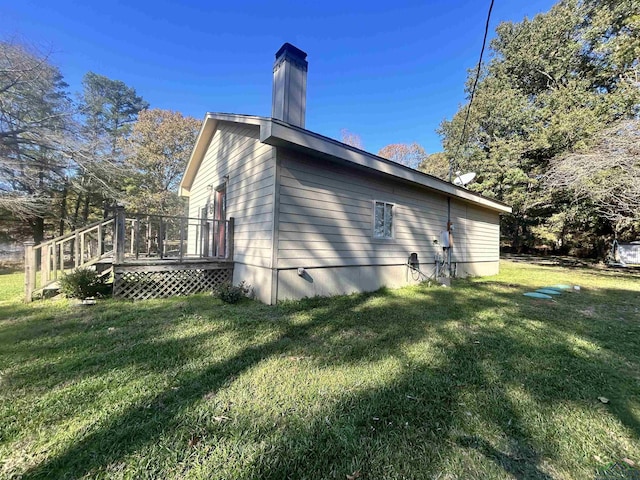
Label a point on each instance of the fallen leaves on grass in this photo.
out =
(588, 312)
(354, 475)
(604, 400)
(296, 359)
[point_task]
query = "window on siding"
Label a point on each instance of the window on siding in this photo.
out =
(383, 220)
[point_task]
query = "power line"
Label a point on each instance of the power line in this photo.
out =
(473, 91)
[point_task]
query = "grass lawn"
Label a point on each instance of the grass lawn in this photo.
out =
(474, 381)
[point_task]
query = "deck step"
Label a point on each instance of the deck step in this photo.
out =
(52, 286)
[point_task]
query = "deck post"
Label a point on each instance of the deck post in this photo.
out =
(100, 246)
(54, 260)
(230, 225)
(161, 239)
(76, 249)
(133, 237)
(29, 270)
(149, 239)
(182, 236)
(119, 233)
(61, 257)
(205, 238)
(82, 247)
(137, 235)
(207, 250)
(215, 245)
(45, 264)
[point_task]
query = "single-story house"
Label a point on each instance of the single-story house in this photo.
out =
(314, 216)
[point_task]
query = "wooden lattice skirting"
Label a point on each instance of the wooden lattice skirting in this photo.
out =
(158, 281)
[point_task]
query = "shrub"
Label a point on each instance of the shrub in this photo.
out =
(83, 283)
(229, 293)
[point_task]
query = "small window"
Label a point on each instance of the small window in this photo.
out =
(382, 220)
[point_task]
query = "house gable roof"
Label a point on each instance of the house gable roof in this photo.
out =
(208, 129)
(277, 133)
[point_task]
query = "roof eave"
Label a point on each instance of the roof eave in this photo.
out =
(279, 134)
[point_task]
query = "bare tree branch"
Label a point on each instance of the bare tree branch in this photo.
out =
(607, 175)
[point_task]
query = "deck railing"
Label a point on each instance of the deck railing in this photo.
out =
(46, 262)
(123, 238)
(174, 238)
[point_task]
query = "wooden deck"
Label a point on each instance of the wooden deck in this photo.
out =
(168, 263)
(140, 279)
(149, 255)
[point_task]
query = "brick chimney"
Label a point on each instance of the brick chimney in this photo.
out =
(289, 100)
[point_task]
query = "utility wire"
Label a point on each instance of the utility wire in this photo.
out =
(473, 91)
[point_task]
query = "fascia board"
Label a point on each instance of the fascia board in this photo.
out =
(197, 154)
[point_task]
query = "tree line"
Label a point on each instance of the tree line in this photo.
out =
(554, 128)
(66, 157)
(553, 131)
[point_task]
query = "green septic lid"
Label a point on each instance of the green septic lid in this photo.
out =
(548, 291)
(536, 295)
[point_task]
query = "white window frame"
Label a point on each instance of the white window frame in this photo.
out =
(393, 223)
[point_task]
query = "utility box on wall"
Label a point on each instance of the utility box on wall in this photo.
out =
(444, 239)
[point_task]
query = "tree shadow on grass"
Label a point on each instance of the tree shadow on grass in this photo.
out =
(322, 337)
(406, 427)
(583, 266)
(142, 422)
(522, 464)
(395, 430)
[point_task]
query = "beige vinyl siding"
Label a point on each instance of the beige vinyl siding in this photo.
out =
(326, 216)
(326, 219)
(235, 150)
(476, 235)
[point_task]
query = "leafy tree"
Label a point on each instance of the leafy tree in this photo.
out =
(158, 149)
(605, 175)
(409, 155)
(351, 138)
(553, 83)
(436, 164)
(35, 116)
(108, 109)
(612, 32)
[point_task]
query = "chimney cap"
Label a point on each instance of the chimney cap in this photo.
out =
(293, 51)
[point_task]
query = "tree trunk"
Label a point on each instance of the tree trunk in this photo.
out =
(85, 209)
(76, 211)
(516, 235)
(38, 229)
(63, 209)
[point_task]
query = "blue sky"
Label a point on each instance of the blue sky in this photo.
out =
(387, 71)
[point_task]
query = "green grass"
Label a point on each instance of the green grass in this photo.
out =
(474, 381)
(11, 286)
